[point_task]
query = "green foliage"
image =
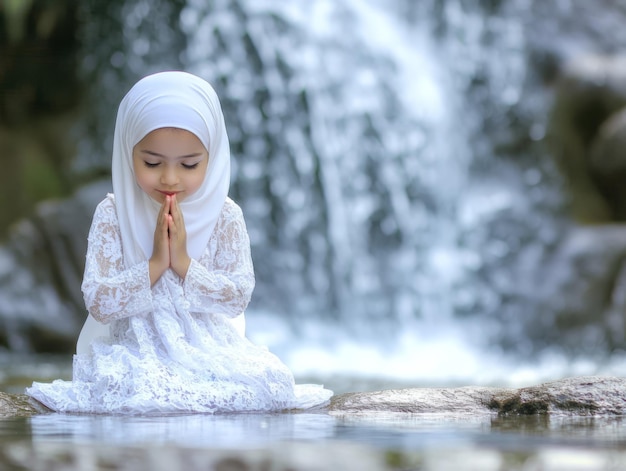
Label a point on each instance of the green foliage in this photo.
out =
(15, 13)
(40, 180)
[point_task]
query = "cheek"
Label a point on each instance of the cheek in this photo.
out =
(197, 182)
(137, 172)
(143, 179)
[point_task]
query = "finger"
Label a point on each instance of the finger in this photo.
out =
(161, 224)
(177, 233)
(164, 204)
(174, 205)
(177, 213)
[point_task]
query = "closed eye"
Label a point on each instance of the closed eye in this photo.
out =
(150, 164)
(191, 166)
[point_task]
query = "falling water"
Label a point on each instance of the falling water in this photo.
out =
(389, 162)
(355, 170)
(346, 168)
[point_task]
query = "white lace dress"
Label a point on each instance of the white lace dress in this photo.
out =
(173, 348)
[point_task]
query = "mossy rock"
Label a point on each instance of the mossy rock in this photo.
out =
(20, 405)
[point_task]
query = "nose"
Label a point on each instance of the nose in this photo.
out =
(169, 176)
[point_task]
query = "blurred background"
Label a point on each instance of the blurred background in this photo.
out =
(433, 189)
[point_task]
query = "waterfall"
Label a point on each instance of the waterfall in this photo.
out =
(349, 157)
(367, 172)
(390, 161)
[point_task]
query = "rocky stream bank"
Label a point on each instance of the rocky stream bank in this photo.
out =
(592, 397)
(585, 395)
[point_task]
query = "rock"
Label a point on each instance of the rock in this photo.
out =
(589, 90)
(41, 305)
(581, 290)
(607, 162)
(19, 405)
(575, 396)
(607, 152)
(585, 395)
(466, 400)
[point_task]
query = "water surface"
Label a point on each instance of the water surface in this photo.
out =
(404, 441)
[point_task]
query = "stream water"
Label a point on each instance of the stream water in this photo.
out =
(245, 431)
(399, 441)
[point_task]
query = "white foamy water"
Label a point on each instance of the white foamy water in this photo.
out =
(422, 354)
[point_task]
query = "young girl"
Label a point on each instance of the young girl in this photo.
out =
(168, 273)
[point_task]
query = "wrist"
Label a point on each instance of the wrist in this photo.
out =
(155, 269)
(182, 267)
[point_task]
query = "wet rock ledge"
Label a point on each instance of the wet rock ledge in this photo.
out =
(587, 395)
(19, 405)
(590, 395)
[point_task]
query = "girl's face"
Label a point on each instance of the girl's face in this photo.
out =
(170, 161)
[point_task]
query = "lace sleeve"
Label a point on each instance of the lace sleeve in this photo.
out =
(110, 291)
(223, 283)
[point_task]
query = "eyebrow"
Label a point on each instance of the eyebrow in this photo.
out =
(156, 154)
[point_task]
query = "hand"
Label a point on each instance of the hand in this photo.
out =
(179, 259)
(160, 260)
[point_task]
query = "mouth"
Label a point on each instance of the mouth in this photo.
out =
(168, 193)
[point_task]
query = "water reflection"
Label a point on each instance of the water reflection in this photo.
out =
(383, 431)
(312, 441)
(215, 431)
(14, 429)
(604, 431)
(414, 432)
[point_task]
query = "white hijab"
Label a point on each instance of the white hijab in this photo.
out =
(165, 100)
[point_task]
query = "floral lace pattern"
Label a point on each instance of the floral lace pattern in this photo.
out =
(172, 347)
